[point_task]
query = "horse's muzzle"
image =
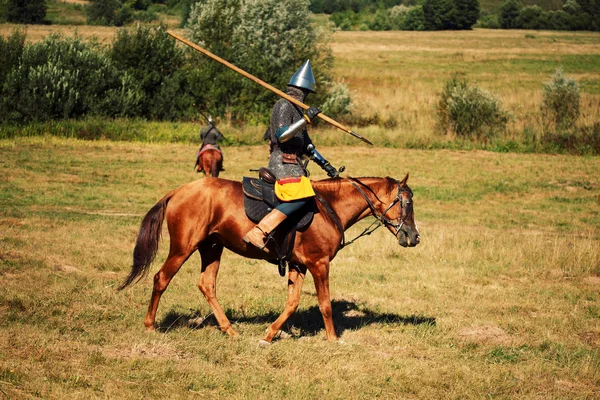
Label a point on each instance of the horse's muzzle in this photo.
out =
(408, 239)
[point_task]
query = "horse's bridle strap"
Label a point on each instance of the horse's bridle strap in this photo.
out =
(381, 218)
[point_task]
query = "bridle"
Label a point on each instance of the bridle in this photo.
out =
(380, 219)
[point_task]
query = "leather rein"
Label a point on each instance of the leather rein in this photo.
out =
(380, 219)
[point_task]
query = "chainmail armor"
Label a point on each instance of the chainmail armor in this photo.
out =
(209, 134)
(285, 114)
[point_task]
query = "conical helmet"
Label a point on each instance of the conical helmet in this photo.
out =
(304, 78)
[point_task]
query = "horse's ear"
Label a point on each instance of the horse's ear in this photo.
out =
(403, 181)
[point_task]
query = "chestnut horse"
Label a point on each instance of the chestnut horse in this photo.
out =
(208, 215)
(209, 160)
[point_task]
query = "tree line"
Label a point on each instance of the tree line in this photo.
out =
(143, 73)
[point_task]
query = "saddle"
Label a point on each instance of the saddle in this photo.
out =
(260, 199)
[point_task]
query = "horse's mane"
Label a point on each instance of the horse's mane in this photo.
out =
(328, 185)
(328, 188)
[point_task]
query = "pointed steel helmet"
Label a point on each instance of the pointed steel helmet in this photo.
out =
(304, 78)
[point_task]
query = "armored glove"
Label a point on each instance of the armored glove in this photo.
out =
(311, 114)
(331, 171)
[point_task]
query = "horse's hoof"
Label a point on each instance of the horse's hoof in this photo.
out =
(281, 335)
(263, 344)
(231, 332)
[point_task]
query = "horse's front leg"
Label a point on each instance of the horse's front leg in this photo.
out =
(295, 281)
(320, 273)
(211, 260)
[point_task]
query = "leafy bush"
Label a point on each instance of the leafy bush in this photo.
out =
(11, 50)
(338, 102)
(64, 78)
(151, 57)
(468, 111)
(26, 11)
(108, 12)
(560, 106)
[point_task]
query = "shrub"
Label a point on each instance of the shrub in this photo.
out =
(151, 57)
(560, 106)
(11, 50)
(64, 78)
(338, 102)
(468, 111)
(26, 11)
(108, 12)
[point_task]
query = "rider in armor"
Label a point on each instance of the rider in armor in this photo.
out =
(289, 143)
(209, 134)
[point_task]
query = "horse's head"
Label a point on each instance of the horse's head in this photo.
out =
(400, 216)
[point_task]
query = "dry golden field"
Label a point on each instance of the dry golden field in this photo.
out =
(401, 73)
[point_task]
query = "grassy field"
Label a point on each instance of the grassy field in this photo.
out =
(500, 300)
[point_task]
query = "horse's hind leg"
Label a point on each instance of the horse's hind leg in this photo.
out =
(162, 278)
(211, 260)
(295, 281)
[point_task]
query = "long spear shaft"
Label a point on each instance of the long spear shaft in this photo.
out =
(266, 85)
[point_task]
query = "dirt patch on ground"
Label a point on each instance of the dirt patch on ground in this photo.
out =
(592, 337)
(484, 334)
(69, 269)
(146, 350)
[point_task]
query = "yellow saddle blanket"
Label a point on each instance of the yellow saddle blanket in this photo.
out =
(289, 189)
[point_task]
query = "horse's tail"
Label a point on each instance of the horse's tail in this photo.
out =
(147, 241)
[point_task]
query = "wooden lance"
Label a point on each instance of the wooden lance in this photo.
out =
(266, 85)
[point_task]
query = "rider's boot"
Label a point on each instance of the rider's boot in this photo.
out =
(257, 235)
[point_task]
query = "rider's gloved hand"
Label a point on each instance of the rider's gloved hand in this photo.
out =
(311, 114)
(331, 171)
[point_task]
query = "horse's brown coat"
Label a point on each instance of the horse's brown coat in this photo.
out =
(208, 215)
(211, 162)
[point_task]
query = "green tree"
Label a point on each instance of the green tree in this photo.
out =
(25, 11)
(531, 17)
(270, 39)
(439, 14)
(509, 14)
(153, 59)
(467, 13)
(108, 12)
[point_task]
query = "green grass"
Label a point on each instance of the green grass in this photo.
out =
(499, 300)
